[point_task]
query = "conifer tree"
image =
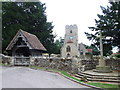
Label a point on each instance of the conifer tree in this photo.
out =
(109, 24)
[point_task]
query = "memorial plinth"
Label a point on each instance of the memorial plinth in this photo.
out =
(102, 68)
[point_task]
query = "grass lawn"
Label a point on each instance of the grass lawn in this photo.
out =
(1, 64)
(105, 85)
(97, 84)
(68, 75)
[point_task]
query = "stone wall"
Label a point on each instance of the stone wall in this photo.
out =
(113, 63)
(0, 60)
(72, 65)
(6, 59)
(89, 64)
(54, 63)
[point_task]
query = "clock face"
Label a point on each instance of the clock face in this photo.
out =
(71, 37)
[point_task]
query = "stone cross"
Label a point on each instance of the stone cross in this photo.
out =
(101, 62)
(102, 68)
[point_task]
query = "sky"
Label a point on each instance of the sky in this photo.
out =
(69, 12)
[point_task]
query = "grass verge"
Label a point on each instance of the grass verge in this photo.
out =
(97, 84)
(105, 85)
(1, 64)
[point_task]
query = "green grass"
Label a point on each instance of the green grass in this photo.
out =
(97, 84)
(68, 75)
(1, 64)
(104, 85)
(36, 67)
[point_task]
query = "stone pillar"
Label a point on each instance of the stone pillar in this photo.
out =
(32, 59)
(75, 65)
(0, 59)
(12, 61)
(79, 65)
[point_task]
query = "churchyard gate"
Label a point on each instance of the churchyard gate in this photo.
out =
(19, 60)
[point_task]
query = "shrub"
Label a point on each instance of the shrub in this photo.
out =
(116, 55)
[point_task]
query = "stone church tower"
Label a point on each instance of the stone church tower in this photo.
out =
(70, 47)
(71, 34)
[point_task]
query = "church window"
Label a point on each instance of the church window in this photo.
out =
(68, 49)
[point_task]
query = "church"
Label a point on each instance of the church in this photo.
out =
(71, 47)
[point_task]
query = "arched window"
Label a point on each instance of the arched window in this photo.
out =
(70, 31)
(68, 49)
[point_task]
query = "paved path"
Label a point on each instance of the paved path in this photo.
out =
(24, 77)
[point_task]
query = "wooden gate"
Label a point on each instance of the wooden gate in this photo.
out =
(21, 60)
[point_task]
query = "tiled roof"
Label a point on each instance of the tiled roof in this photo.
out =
(32, 39)
(89, 50)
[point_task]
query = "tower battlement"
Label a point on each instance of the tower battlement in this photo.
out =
(71, 27)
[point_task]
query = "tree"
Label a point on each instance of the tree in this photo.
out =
(57, 46)
(29, 16)
(109, 25)
(0, 27)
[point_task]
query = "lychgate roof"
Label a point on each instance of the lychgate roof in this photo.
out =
(30, 38)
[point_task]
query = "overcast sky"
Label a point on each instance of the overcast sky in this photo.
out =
(68, 12)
